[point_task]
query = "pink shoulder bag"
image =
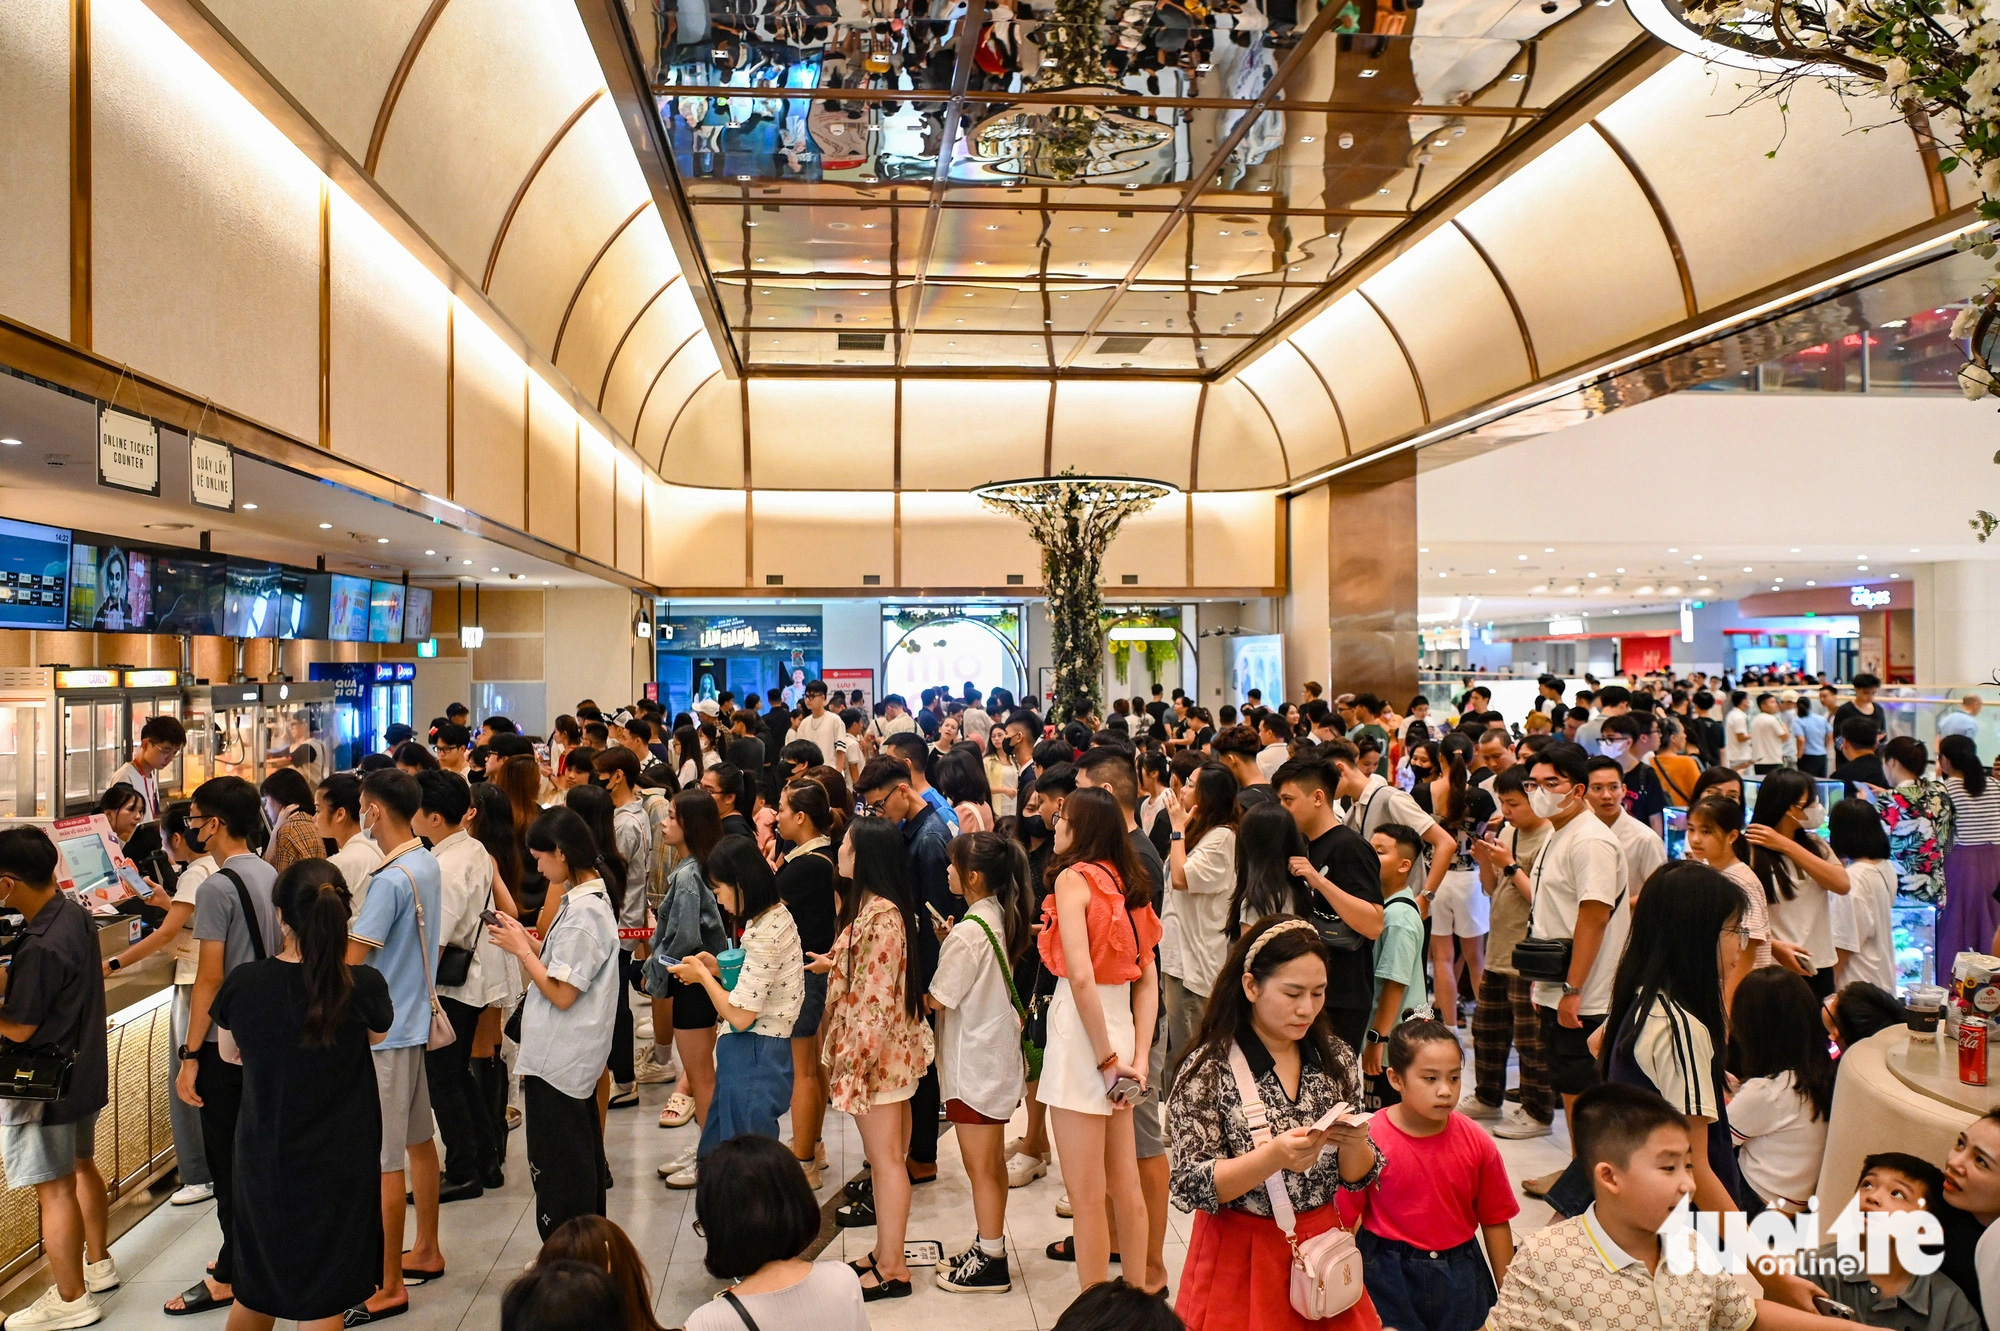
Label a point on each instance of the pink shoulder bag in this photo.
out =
(1326, 1268)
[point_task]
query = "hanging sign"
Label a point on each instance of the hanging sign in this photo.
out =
(211, 474)
(128, 452)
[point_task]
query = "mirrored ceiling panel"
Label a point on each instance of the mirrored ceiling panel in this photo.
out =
(1059, 172)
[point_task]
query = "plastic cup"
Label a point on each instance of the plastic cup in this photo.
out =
(731, 961)
(1921, 1011)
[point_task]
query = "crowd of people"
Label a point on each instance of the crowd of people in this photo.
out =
(1233, 963)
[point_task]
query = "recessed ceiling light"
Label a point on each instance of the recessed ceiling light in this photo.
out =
(1748, 569)
(381, 540)
(1795, 549)
(1702, 578)
(1492, 570)
(545, 582)
(1811, 583)
(1520, 556)
(1895, 575)
(1697, 556)
(326, 526)
(1777, 580)
(11, 443)
(468, 561)
(1861, 556)
(249, 508)
(1673, 549)
(1915, 551)
(494, 569)
(1590, 575)
(1548, 549)
(1618, 570)
(430, 552)
(1440, 575)
(1862, 567)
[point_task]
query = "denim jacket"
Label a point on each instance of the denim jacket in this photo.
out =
(688, 921)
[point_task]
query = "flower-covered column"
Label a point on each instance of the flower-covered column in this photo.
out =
(1073, 518)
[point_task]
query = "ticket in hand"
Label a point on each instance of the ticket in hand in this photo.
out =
(1343, 1114)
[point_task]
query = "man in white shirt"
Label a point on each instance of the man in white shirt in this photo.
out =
(1736, 732)
(337, 815)
(895, 718)
(1768, 736)
(1640, 848)
(1579, 894)
(1373, 802)
(161, 740)
(465, 875)
(632, 829)
(1613, 700)
(822, 727)
(1276, 734)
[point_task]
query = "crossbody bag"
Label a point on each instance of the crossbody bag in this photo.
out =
(1031, 1052)
(454, 962)
(441, 1032)
(1326, 1268)
(225, 1043)
(1547, 959)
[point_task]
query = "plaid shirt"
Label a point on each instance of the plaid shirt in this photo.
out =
(1572, 1277)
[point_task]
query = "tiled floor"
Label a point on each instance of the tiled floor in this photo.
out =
(487, 1242)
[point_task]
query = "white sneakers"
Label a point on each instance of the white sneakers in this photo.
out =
(1472, 1106)
(52, 1312)
(1063, 1208)
(683, 1178)
(1024, 1169)
(1515, 1125)
(685, 1160)
(648, 1071)
(192, 1193)
(100, 1277)
(623, 1096)
(679, 1111)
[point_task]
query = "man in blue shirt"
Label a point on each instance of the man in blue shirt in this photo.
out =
(1963, 722)
(914, 752)
(396, 933)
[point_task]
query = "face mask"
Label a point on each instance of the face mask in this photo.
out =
(1035, 827)
(1814, 815)
(1615, 748)
(1546, 803)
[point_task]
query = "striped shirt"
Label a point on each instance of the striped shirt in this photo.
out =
(1678, 1056)
(1975, 819)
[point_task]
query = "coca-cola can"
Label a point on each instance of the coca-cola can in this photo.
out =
(1972, 1050)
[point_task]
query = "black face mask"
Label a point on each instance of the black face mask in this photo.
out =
(1034, 827)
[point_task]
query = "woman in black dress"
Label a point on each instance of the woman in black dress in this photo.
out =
(308, 1181)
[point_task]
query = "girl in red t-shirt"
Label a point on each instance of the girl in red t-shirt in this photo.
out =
(1101, 944)
(1443, 1187)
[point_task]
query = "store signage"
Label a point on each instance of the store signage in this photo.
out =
(427, 648)
(1687, 622)
(1867, 597)
(86, 679)
(1559, 628)
(730, 635)
(152, 679)
(128, 452)
(211, 474)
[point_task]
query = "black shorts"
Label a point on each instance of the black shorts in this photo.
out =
(692, 1009)
(1572, 1067)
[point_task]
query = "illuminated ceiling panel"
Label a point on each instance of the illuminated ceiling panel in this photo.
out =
(1084, 185)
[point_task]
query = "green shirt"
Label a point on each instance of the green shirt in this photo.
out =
(1399, 953)
(1381, 738)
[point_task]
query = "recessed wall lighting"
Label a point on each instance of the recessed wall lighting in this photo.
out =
(249, 508)
(11, 443)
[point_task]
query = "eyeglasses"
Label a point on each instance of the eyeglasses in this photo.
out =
(873, 808)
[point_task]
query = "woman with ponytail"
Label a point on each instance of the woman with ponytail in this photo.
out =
(1461, 910)
(980, 1070)
(593, 805)
(308, 1181)
(574, 990)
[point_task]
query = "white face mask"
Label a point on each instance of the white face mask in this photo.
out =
(1813, 815)
(1545, 803)
(1615, 748)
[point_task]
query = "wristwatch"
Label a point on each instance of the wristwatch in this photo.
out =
(1376, 1037)
(116, 963)
(188, 1055)
(1175, 836)
(1570, 991)
(1511, 869)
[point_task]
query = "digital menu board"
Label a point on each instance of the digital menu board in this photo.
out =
(347, 609)
(385, 612)
(416, 614)
(34, 575)
(188, 593)
(110, 586)
(252, 600)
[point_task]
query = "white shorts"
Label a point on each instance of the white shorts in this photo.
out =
(1070, 1079)
(1461, 906)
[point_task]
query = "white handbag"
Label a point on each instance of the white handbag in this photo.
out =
(1326, 1268)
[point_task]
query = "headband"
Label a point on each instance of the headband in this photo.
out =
(1250, 957)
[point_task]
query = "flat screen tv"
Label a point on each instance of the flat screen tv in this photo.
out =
(188, 593)
(347, 609)
(252, 600)
(416, 614)
(34, 575)
(110, 586)
(296, 603)
(385, 612)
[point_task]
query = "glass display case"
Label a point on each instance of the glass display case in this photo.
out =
(28, 741)
(235, 729)
(102, 711)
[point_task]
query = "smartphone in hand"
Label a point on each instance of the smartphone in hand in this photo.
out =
(490, 917)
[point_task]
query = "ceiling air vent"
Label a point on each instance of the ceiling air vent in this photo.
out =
(1016, 579)
(1128, 579)
(871, 579)
(863, 341)
(774, 579)
(1122, 346)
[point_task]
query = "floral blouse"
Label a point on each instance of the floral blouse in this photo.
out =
(1918, 815)
(870, 1045)
(1206, 1115)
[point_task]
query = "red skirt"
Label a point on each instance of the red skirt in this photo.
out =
(1238, 1276)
